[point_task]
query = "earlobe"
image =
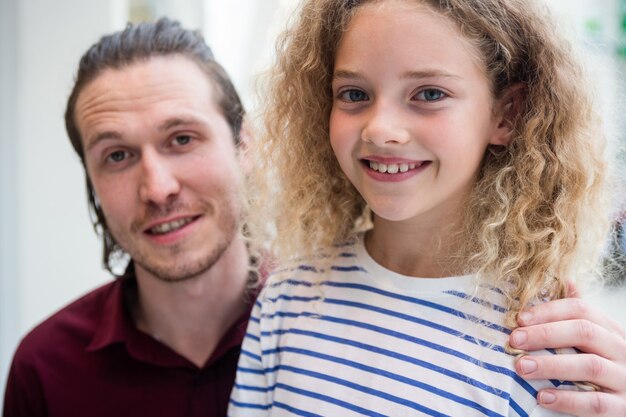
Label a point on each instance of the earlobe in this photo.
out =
(510, 106)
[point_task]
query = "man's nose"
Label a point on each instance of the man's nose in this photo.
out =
(158, 181)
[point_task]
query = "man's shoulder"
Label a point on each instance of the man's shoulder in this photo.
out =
(73, 324)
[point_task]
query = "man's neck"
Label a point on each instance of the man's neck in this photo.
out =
(192, 316)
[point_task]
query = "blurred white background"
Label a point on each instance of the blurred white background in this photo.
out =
(49, 254)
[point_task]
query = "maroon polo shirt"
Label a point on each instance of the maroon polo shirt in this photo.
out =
(90, 360)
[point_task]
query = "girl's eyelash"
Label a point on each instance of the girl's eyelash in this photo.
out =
(439, 94)
(342, 95)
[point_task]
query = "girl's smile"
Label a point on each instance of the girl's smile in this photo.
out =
(412, 113)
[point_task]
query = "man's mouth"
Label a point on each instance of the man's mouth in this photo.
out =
(168, 227)
(394, 168)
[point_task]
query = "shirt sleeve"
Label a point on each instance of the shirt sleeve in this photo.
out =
(23, 396)
(251, 393)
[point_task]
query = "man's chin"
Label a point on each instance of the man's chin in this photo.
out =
(177, 272)
(178, 269)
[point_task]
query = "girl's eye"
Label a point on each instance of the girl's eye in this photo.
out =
(182, 140)
(430, 94)
(353, 95)
(117, 156)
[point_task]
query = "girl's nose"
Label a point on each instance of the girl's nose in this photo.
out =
(385, 126)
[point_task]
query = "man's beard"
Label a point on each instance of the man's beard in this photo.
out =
(181, 270)
(179, 273)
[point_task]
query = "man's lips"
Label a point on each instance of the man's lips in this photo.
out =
(162, 227)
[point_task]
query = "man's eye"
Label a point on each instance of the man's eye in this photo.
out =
(430, 94)
(117, 156)
(353, 95)
(182, 140)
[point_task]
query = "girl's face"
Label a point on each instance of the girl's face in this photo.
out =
(412, 113)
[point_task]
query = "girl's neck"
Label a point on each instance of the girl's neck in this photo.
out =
(422, 249)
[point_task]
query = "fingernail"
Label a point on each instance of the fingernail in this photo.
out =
(527, 365)
(518, 338)
(525, 317)
(546, 398)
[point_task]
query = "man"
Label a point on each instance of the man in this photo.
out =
(157, 124)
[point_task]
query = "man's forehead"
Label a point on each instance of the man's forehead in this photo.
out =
(174, 89)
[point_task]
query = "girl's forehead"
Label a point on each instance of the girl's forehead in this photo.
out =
(378, 6)
(446, 22)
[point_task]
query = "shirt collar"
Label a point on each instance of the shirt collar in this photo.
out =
(117, 327)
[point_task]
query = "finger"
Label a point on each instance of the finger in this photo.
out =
(575, 367)
(572, 290)
(582, 404)
(567, 309)
(582, 334)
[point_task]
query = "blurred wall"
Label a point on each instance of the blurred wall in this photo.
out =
(49, 252)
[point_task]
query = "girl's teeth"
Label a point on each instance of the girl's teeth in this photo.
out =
(392, 168)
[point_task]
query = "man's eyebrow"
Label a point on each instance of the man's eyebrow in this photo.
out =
(166, 125)
(176, 122)
(108, 134)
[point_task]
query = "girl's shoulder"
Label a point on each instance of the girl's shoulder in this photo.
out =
(304, 275)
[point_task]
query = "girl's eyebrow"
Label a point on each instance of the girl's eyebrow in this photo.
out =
(345, 74)
(426, 73)
(429, 73)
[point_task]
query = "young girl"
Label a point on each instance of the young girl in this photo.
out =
(439, 170)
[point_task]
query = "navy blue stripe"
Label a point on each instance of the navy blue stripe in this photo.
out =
(385, 331)
(294, 410)
(354, 268)
(249, 405)
(476, 300)
(251, 370)
(518, 409)
(253, 337)
(357, 387)
(424, 364)
(413, 319)
(251, 355)
(253, 388)
(412, 300)
(294, 298)
(405, 380)
(307, 268)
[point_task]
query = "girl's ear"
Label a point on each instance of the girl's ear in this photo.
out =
(508, 109)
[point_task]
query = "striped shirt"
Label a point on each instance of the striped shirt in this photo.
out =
(351, 338)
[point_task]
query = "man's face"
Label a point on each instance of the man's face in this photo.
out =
(162, 161)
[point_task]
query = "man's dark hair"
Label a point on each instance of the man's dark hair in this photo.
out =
(135, 43)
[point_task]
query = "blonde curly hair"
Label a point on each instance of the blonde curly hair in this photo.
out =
(537, 209)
